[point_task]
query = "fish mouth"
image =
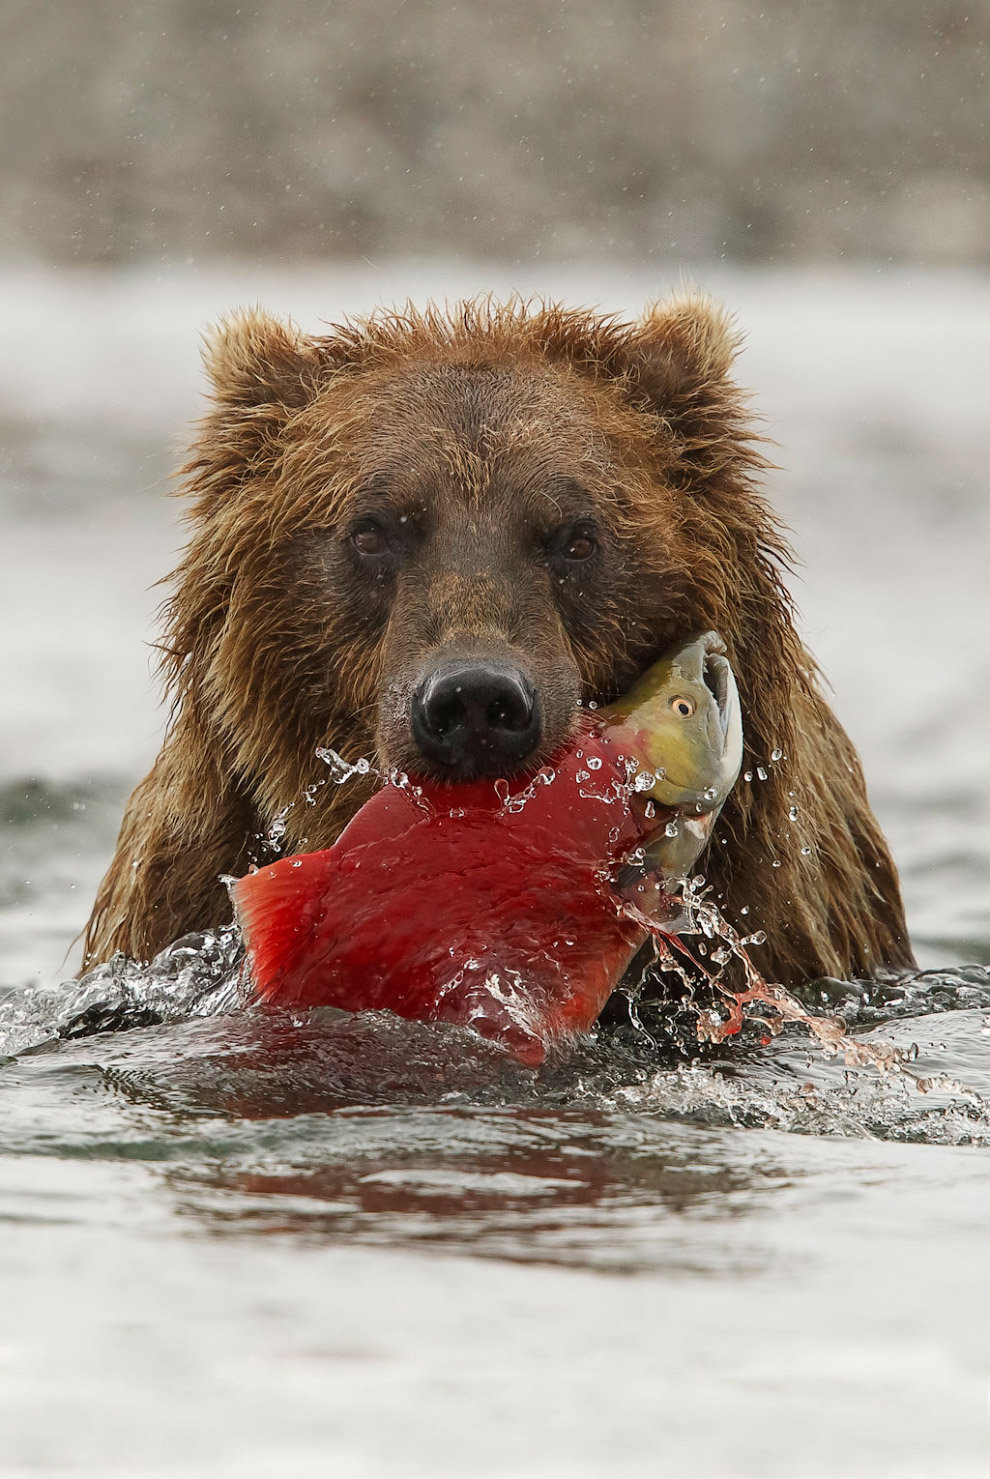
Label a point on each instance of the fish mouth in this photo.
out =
(719, 681)
(703, 660)
(717, 675)
(701, 664)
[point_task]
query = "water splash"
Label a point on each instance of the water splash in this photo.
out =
(720, 1010)
(340, 769)
(515, 801)
(199, 975)
(765, 1004)
(271, 842)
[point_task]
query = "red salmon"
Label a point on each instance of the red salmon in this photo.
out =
(493, 904)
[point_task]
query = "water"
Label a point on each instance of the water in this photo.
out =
(245, 1245)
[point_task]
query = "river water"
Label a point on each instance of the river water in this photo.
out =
(235, 1245)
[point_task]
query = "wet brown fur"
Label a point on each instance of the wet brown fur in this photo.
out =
(479, 424)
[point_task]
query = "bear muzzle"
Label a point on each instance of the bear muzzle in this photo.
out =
(475, 717)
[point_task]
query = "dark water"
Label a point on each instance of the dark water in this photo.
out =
(262, 1245)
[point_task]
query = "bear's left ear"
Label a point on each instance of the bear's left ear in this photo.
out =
(682, 350)
(678, 357)
(254, 360)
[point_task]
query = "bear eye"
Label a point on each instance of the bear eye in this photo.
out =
(581, 547)
(577, 543)
(368, 538)
(684, 707)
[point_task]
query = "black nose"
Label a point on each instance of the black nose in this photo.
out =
(476, 718)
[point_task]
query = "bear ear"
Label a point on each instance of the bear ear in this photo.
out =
(254, 360)
(680, 354)
(677, 359)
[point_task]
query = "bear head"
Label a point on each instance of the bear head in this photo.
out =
(431, 537)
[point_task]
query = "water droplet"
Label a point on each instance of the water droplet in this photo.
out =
(793, 813)
(671, 829)
(744, 909)
(582, 776)
(747, 775)
(340, 770)
(776, 755)
(775, 863)
(649, 810)
(710, 793)
(761, 773)
(805, 851)
(594, 763)
(645, 781)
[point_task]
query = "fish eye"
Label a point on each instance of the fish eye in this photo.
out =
(684, 707)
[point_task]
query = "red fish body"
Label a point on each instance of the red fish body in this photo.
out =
(500, 906)
(471, 904)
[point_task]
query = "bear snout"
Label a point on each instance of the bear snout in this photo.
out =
(475, 718)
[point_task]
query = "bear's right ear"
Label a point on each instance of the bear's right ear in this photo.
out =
(262, 371)
(254, 360)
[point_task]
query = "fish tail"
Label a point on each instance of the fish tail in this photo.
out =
(277, 909)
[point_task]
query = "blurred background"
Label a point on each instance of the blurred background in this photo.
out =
(798, 130)
(823, 167)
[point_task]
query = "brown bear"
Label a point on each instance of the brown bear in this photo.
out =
(429, 538)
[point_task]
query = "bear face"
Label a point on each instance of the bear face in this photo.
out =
(439, 512)
(477, 546)
(428, 538)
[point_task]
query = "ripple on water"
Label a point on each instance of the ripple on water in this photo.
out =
(195, 1047)
(332, 1127)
